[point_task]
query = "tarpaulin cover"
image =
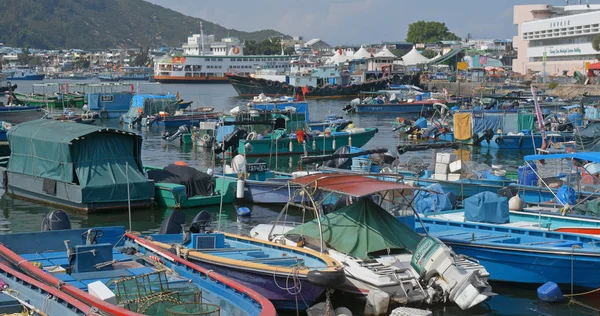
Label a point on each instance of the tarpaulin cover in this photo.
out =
(587, 139)
(151, 104)
(93, 156)
(526, 121)
(361, 229)
(197, 183)
(487, 121)
(300, 107)
(487, 207)
(511, 123)
(429, 202)
(462, 126)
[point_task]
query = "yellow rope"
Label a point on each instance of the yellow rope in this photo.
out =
(584, 293)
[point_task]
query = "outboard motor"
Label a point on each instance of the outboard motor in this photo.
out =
(173, 224)
(488, 134)
(232, 140)
(56, 220)
(183, 129)
(200, 222)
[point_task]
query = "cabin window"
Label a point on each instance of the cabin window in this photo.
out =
(188, 74)
(107, 98)
(187, 68)
(196, 74)
(220, 59)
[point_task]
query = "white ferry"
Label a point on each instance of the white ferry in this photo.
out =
(205, 60)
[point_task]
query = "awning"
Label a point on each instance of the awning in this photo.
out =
(352, 185)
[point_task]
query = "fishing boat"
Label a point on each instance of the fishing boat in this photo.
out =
(65, 164)
(22, 73)
(519, 252)
(392, 102)
(118, 273)
(136, 73)
(24, 294)
(379, 254)
(164, 111)
(181, 186)
(50, 95)
(110, 100)
(263, 266)
(17, 114)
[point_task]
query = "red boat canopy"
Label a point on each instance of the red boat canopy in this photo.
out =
(594, 66)
(350, 184)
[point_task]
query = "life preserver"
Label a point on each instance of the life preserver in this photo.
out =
(251, 136)
(140, 110)
(499, 140)
(235, 50)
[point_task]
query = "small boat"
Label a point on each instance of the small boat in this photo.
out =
(65, 164)
(377, 252)
(119, 273)
(163, 110)
(181, 186)
(110, 100)
(261, 265)
(22, 73)
(17, 114)
(392, 102)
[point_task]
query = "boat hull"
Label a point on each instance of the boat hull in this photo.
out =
(174, 196)
(176, 79)
(270, 191)
(510, 141)
(20, 114)
(402, 108)
(464, 188)
(249, 87)
(28, 77)
(322, 144)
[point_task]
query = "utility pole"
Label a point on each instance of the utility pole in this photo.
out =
(544, 65)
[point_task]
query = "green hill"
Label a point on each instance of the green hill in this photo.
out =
(88, 24)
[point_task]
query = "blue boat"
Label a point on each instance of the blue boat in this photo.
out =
(119, 273)
(22, 73)
(513, 253)
(261, 265)
(110, 100)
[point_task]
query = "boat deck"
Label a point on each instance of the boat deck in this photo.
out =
(460, 217)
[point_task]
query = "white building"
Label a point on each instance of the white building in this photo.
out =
(200, 44)
(563, 34)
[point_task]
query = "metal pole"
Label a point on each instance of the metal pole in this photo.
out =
(128, 194)
(544, 64)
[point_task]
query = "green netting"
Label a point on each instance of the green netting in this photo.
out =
(360, 230)
(193, 309)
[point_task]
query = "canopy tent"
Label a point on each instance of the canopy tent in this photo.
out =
(360, 230)
(338, 58)
(385, 52)
(100, 160)
(414, 58)
(362, 53)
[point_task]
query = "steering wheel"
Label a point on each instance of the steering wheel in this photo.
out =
(92, 235)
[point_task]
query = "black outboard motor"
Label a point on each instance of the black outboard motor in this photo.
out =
(508, 192)
(200, 221)
(488, 134)
(56, 220)
(173, 224)
(232, 140)
(183, 129)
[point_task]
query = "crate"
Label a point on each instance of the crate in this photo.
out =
(441, 168)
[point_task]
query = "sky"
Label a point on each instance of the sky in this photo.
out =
(355, 22)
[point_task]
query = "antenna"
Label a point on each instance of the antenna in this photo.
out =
(201, 38)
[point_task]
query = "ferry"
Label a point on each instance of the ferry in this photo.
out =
(22, 73)
(206, 60)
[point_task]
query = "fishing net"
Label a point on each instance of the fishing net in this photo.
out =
(193, 309)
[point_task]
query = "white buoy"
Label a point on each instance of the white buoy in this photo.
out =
(377, 302)
(342, 311)
(314, 144)
(515, 203)
(409, 311)
(333, 143)
(291, 146)
(239, 193)
(350, 140)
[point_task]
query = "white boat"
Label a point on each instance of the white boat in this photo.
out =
(381, 256)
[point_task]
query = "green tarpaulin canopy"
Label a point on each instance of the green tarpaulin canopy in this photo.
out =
(99, 159)
(526, 121)
(361, 229)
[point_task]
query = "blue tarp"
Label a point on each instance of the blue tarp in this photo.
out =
(138, 99)
(487, 207)
(429, 202)
(301, 107)
(487, 121)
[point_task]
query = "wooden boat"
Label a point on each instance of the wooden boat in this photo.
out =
(134, 276)
(65, 164)
(263, 266)
(377, 252)
(179, 186)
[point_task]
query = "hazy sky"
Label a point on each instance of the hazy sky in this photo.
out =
(357, 21)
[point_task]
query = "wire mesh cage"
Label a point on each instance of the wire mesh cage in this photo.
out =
(196, 309)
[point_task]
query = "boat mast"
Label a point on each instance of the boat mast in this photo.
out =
(201, 39)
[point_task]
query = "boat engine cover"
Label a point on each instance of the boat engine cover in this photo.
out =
(56, 220)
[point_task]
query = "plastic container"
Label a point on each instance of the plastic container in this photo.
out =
(419, 97)
(550, 292)
(361, 164)
(421, 122)
(526, 175)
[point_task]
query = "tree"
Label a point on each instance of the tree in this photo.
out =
(596, 44)
(399, 52)
(24, 57)
(82, 63)
(269, 46)
(429, 32)
(142, 58)
(428, 53)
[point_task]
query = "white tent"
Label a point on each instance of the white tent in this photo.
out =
(414, 58)
(338, 58)
(362, 53)
(385, 52)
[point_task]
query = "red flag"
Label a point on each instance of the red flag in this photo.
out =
(305, 90)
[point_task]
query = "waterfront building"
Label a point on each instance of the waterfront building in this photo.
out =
(555, 38)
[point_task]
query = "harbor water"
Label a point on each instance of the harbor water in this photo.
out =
(20, 215)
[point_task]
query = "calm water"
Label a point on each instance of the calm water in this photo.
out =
(18, 215)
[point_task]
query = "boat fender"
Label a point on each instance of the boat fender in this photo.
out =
(5, 180)
(276, 84)
(515, 203)
(243, 211)
(550, 292)
(499, 140)
(330, 278)
(206, 138)
(520, 141)
(311, 89)
(342, 311)
(239, 191)
(269, 83)
(340, 89)
(248, 148)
